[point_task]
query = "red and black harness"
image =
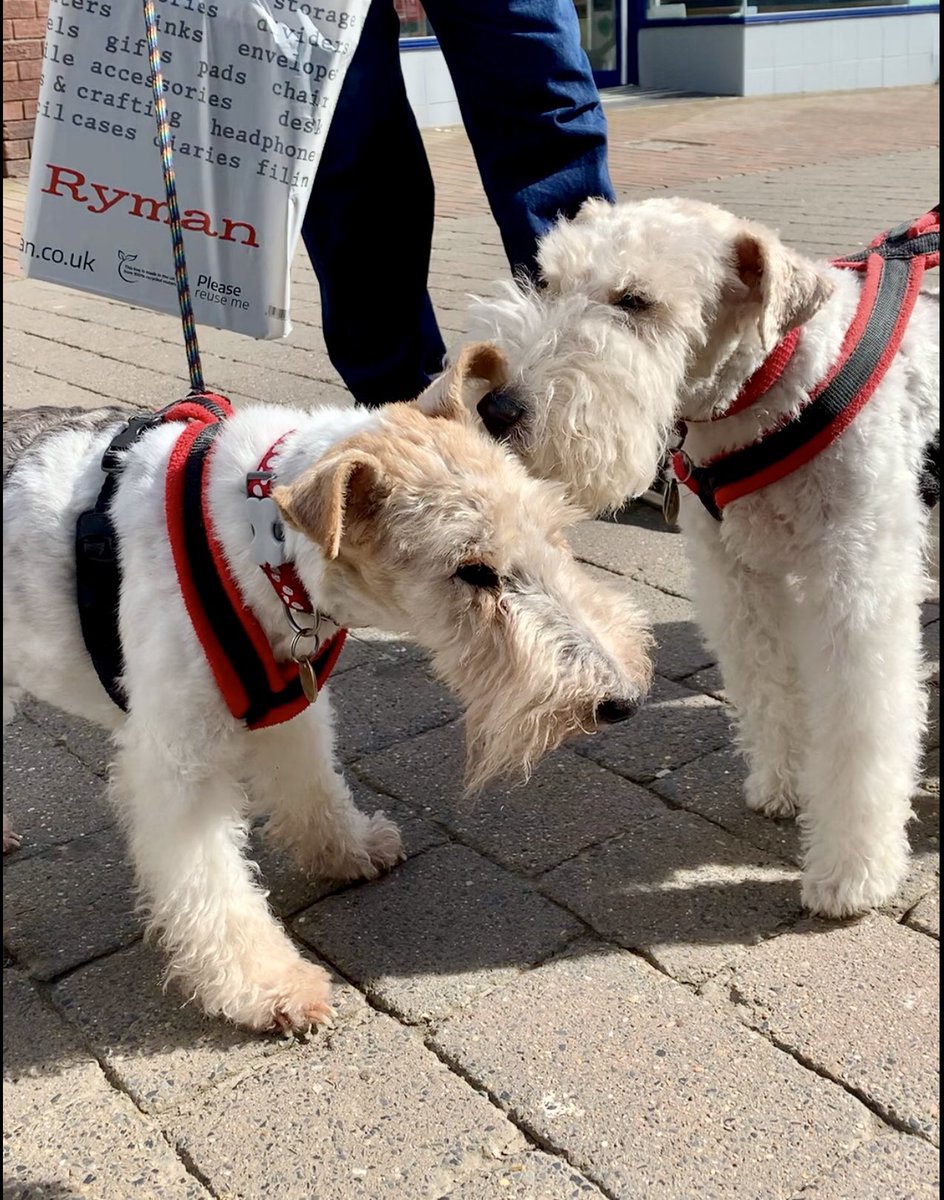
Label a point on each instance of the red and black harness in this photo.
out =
(893, 267)
(258, 689)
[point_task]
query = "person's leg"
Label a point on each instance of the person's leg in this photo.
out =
(368, 228)
(531, 109)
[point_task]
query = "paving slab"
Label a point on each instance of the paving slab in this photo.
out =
(680, 650)
(529, 1177)
(636, 542)
(436, 932)
(25, 388)
(69, 904)
(713, 786)
(898, 1167)
(161, 1049)
(89, 743)
(647, 1089)
(387, 702)
(926, 915)
(709, 680)
(685, 893)
(859, 1002)
(382, 1117)
(49, 795)
(66, 1132)
(674, 726)
(924, 869)
(290, 889)
(567, 804)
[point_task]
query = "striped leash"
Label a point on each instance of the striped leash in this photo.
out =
(170, 187)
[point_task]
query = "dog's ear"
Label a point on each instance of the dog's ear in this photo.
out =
(786, 288)
(480, 368)
(327, 495)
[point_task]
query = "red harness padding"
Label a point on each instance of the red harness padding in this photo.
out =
(894, 265)
(257, 688)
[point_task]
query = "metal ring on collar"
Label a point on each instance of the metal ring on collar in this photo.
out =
(294, 652)
(301, 631)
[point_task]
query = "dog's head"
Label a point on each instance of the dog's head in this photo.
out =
(644, 312)
(425, 526)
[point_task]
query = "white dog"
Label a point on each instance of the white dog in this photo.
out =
(417, 524)
(663, 317)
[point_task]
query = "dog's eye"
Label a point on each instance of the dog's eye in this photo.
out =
(478, 575)
(632, 302)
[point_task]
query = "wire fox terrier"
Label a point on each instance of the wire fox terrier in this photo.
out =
(392, 518)
(657, 319)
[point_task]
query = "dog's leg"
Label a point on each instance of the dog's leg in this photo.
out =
(292, 776)
(861, 655)
(185, 822)
(745, 617)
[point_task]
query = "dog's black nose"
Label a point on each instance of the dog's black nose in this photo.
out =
(615, 709)
(500, 412)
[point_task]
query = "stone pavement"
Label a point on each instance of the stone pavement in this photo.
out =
(601, 985)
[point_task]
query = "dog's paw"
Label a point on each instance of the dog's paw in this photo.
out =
(776, 800)
(850, 888)
(382, 845)
(297, 1000)
(378, 848)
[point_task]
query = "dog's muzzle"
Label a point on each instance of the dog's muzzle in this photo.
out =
(500, 411)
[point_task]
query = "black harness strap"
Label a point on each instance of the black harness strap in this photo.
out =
(97, 562)
(821, 413)
(897, 260)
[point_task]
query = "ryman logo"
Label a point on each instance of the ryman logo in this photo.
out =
(101, 198)
(134, 274)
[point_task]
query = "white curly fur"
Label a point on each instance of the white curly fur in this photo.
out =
(809, 590)
(380, 509)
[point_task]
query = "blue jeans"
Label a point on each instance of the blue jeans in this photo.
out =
(534, 118)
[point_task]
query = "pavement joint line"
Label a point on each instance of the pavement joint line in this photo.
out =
(519, 1120)
(160, 340)
(68, 972)
(887, 1118)
(156, 370)
(186, 1161)
(639, 579)
(59, 379)
(902, 919)
(59, 739)
(42, 989)
(26, 853)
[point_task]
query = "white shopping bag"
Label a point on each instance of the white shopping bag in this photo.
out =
(250, 88)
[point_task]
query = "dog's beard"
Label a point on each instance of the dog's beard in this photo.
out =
(538, 676)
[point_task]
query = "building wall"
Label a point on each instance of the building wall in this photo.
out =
(777, 58)
(24, 27)
(429, 87)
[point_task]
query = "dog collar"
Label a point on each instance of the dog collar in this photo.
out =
(893, 266)
(268, 535)
(268, 552)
